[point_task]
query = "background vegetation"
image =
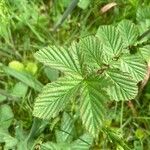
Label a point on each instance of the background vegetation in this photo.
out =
(25, 27)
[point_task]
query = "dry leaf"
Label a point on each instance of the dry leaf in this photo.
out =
(107, 7)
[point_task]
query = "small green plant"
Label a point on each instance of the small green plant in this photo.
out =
(96, 70)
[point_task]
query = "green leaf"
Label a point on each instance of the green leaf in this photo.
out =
(124, 88)
(111, 39)
(60, 58)
(138, 145)
(145, 52)
(31, 67)
(115, 136)
(24, 77)
(84, 142)
(19, 90)
(55, 146)
(16, 65)
(55, 96)
(83, 3)
(139, 133)
(65, 3)
(77, 56)
(50, 146)
(52, 74)
(21, 137)
(143, 17)
(143, 13)
(64, 137)
(6, 116)
(2, 98)
(92, 49)
(37, 128)
(134, 65)
(5, 137)
(128, 31)
(67, 127)
(92, 104)
(143, 27)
